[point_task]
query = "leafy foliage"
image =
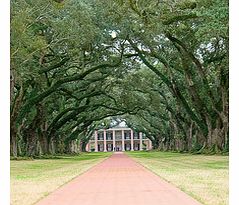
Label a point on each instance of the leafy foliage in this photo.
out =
(161, 66)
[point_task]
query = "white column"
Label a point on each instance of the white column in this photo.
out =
(114, 148)
(87, 148)
(132, 140)
(140, 141)
(150, 144)
(122, 140)
(96, 141)
(105, 150)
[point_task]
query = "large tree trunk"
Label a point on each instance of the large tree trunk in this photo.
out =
(15, 107)
(83, 146)
(51, 146)
(44, 144)
(31, 132)
(209, 136)
(13, 141)
(31, 142)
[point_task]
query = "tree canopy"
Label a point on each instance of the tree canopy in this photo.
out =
(162, 66)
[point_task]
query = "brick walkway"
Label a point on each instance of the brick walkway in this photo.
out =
(118, 180)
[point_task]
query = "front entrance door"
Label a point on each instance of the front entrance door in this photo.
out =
(118, 147)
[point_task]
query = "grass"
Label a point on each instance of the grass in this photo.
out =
(203, 177)
(31, 180)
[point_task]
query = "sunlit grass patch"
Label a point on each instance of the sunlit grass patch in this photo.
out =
(204, 177)
(33, 179)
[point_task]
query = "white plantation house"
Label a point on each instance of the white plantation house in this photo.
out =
(118, 138)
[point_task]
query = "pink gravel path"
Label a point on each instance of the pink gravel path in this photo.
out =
(118, 180)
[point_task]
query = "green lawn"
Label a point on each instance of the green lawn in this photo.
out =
(203, 177)
(33, 179)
